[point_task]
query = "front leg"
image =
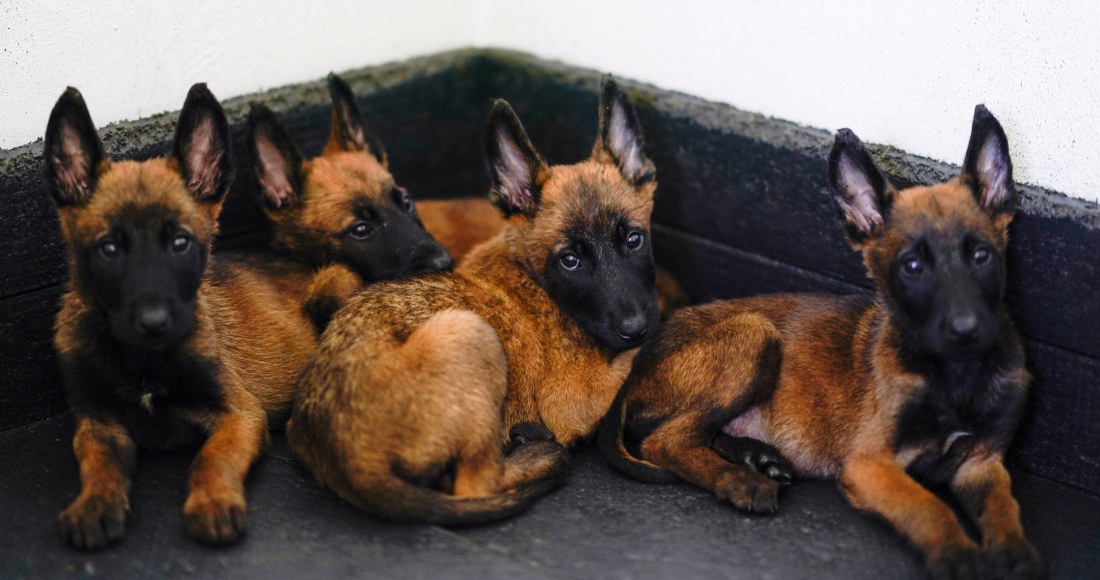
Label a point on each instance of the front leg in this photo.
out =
(215, 511)
(879, 485)
(572, 404)
(984, 489)
(106, 453)
(331, 288)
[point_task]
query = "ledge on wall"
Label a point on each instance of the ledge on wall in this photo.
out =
(741, 210)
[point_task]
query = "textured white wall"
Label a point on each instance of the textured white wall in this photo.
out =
(904, 73)
(133, 59)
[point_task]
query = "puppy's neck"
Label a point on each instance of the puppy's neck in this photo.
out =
(495, 262)
(954, 379)
(492, 258)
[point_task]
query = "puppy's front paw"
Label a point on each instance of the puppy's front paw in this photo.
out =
(748, 490)
(756, 454)
(215, 516)
(963, 562)
(1015, 559)
(94, 522)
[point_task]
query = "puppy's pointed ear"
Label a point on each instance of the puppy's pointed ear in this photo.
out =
(348, 131)
(987, 167)
(516, 172)
(201, 146)
(73, 151)
(860, 190)
(275, 159)
(620, 135)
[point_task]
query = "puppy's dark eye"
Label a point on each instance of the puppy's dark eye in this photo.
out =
(109, 250)
(913, 266)
(181, 243)
(360, 230)
(570, 262)
(981, 256)
(402, 199)
(634, 240)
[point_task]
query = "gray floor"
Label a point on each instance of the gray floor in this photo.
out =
(599, 526)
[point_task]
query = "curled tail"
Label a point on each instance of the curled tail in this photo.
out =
(616, 454)
(392, 498)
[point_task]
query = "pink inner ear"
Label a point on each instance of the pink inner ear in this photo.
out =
(623, 144)
(274, 181)
(859, 205)
(355, 137)
(72, 169)
(514, 174)
(993, 173)
(203, 160)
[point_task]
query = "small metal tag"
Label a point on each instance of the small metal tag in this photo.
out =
(147, 402)
(952, 438)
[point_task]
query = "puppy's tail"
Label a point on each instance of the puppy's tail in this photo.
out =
(615, 452)
(393, 498)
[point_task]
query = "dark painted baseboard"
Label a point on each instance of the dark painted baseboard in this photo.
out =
(741, 210)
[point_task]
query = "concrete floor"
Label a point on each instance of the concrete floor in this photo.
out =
(601, 525)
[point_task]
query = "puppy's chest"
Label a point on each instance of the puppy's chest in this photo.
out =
(939, 430)
(154, 400)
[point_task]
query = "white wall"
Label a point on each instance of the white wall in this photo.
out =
(904, 73)
(133, 59)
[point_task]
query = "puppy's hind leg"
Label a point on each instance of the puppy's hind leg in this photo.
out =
(680, 447)
(458, 363)
(734, 366)
(756, 454)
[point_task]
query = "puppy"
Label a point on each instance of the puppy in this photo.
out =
(921, 384)
(342, 207)
(160, 345)
(417, 384)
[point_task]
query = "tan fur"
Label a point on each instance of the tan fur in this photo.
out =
(401, 383)
(343, 206)
(310, 229)
(246, 318)
(462, 224)
(833, 409)
(106, 454)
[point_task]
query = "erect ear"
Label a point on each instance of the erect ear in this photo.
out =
(516, 172)
(348, 131)
(275, 159)
(201, 146)
(620, 134)
(987, 167)
(859, 188)
(73, 151)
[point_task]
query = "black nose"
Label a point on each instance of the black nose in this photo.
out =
(433, 257)
(633, 328)
(152, 318)
(963, 327)
(441, 261)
